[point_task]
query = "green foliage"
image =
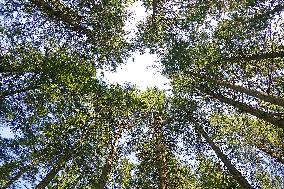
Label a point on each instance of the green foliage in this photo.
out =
(72, 130)
(211, 175)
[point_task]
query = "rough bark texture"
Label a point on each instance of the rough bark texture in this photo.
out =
(163, 173)
(234, 172)
(161, 153)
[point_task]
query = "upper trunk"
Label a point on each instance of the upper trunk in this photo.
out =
(262, 96)
(161, 149)
(278, 156)
(269, 117)
(234, 172)
(60, 12)
(17, 176)
(4, 94)
(262, 56)
(110, 160)
(52, 173)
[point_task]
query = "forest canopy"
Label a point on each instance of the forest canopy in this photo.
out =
(221, 126)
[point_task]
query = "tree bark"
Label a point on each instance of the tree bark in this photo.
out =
(69, 17)
(277, 156)
(234, 172)
(110, 159)
(279, 54)
(161, 152)
(4, 94)
(277, 9)
(269, 117)
(163, 173)
(262, 96)
(22, 171)
(51, 174)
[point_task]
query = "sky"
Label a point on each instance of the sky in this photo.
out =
(140, 70)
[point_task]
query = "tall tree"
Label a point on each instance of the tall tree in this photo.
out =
(95, 28)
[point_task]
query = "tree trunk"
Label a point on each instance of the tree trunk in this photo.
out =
(51, 174)
(162, 161)
(17, 176)
(269, 117)
(22, 171)
(4, 94)
(234, 172)
(277, 156)
(161, 152)
(110, 159)
(262, 96)
(61, 13)
(262, 56)
(163, 173)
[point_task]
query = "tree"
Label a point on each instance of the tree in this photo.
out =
(224, 57)
(94, 28)
(211, 175)
(221, 126)
(158, 166)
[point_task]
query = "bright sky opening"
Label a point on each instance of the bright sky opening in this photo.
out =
(140, 70)
(143, 72)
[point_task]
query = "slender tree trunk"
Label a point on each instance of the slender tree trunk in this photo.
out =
(16, 177)
(262, 56)
(4, 94)
(162, 161)
(13, 179)
(22, 171)
(60, 12)
(277, 156)
(269, 117)
(262, 96)
(161, 152)
(7, 69)
(234, 172)
(163, 173)
(278, 8)
(51, 174)
(110, 160)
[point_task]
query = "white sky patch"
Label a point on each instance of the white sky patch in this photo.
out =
(140, 70)
(143, 72)
(6, 132)
(138, 13)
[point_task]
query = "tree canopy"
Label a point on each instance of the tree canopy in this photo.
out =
(221, 125)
